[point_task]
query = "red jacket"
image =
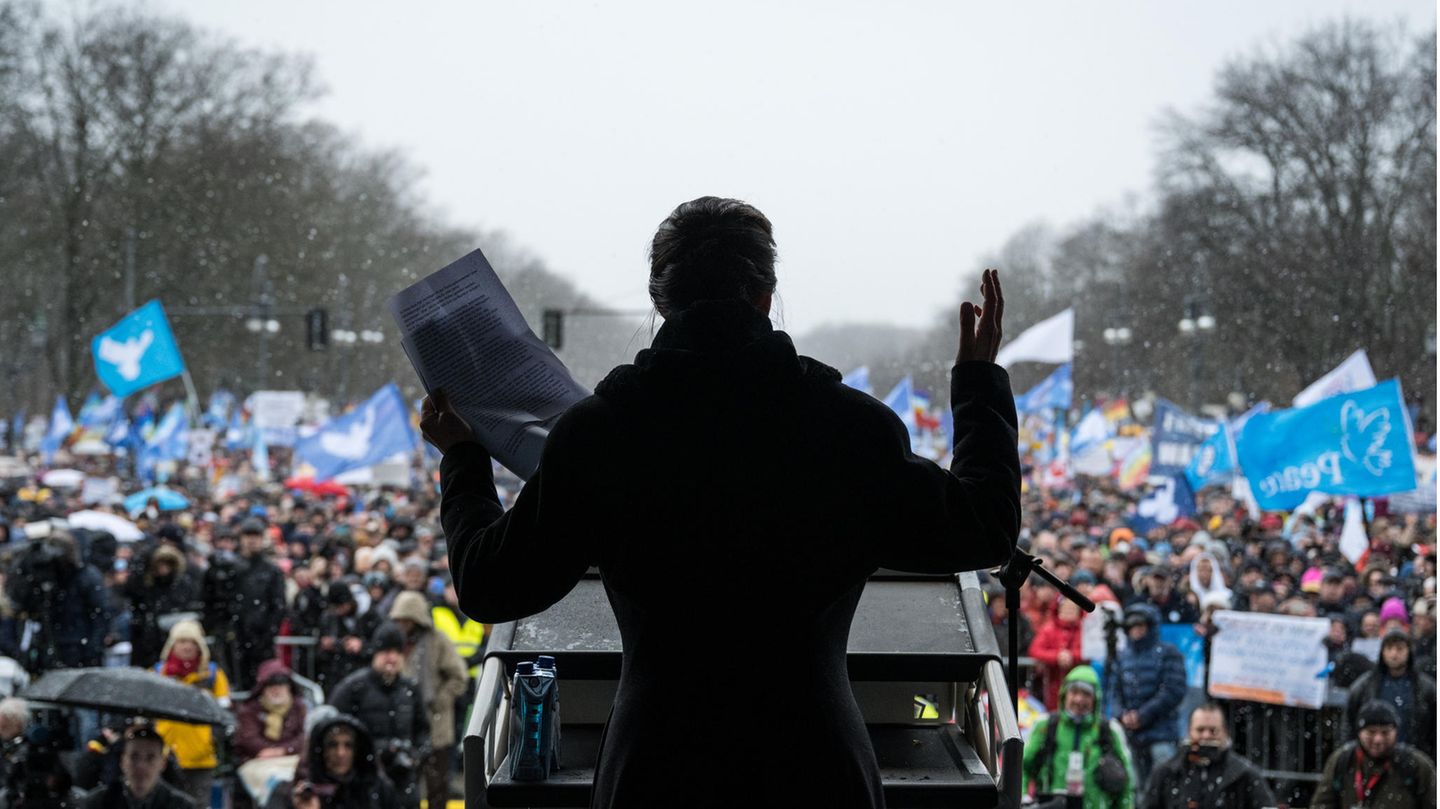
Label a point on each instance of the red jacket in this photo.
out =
(1053, 637)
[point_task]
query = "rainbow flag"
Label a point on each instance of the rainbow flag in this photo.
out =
(1135, 467)
(1116, 411)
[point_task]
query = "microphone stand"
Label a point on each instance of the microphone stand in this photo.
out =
(1012, 575)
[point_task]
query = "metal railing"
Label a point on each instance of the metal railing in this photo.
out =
(1289, 745)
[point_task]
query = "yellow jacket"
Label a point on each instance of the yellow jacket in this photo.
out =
(194, 745)
(467, 635)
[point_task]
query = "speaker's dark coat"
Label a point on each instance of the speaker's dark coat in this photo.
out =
(735, 497)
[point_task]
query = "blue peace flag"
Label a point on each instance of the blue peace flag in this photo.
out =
(1165, 504)
(137, 352)
(1356, 443)
(169, 442)
(372, 432)
(1054, 392)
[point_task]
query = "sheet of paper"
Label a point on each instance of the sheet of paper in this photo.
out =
(464, 334)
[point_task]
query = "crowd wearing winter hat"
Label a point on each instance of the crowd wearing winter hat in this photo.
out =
(291, 598)
(1380, 604)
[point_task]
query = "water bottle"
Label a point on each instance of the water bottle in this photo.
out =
(1075, 774)
(533, 722)
(545, 664)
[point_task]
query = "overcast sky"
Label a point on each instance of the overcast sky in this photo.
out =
(892, 144)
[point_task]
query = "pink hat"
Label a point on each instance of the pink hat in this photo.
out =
(1394, 610)
(1310, 581)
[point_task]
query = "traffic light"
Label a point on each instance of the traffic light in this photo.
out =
(317, 329)
(553, 328)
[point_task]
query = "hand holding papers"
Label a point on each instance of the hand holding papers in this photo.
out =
(464, 334)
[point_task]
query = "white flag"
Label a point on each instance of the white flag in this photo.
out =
(1353, 374)
(1353, 539)
(1050, 340)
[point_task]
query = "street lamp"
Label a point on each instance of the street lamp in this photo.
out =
(1117, 337)
(1195, 325)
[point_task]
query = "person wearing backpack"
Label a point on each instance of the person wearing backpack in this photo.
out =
(186, 659)
(1074, 749)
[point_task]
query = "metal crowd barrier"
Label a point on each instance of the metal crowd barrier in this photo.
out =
(1289, 745)
(301, 651)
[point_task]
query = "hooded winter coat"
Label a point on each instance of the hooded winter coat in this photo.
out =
(366, 787)
(1150, 678)
(431, 661)
(250, 734)
(721, 481)
(1070, 735)
(152, 596)
(194, 745)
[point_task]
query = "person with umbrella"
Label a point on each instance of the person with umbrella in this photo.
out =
(142, 761)
(186, 659)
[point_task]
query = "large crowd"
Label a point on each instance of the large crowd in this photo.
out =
(322, 617)
(325, 619)
(1174, 740)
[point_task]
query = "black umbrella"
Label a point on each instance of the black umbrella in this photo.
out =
(129, 691)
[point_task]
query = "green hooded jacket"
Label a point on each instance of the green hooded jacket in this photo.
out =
(1085, 737)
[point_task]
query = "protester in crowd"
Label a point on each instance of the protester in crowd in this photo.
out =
(271, 721)
(1149, 684)
(1206, 772)
(1207, 579)
(186, 659)
(431, 661)
(344, 632)
(1160, 593)
(307, 602)
(252, 604)
(1397, 683)
(98, 761)
(1078, 730)
(341, 772)
(1425, 635)
(1393, 616)
(14, 719)
(467, 635)
(1346, 666)
(1000, 617)
(1056, 649)
(63, 599)
(1331, 596)
(390, 707)
(160, 589)
(1376, 769)
(142, 760)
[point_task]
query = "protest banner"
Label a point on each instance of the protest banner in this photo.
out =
(1177, 438)
(1274, 659)
(276, 408)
